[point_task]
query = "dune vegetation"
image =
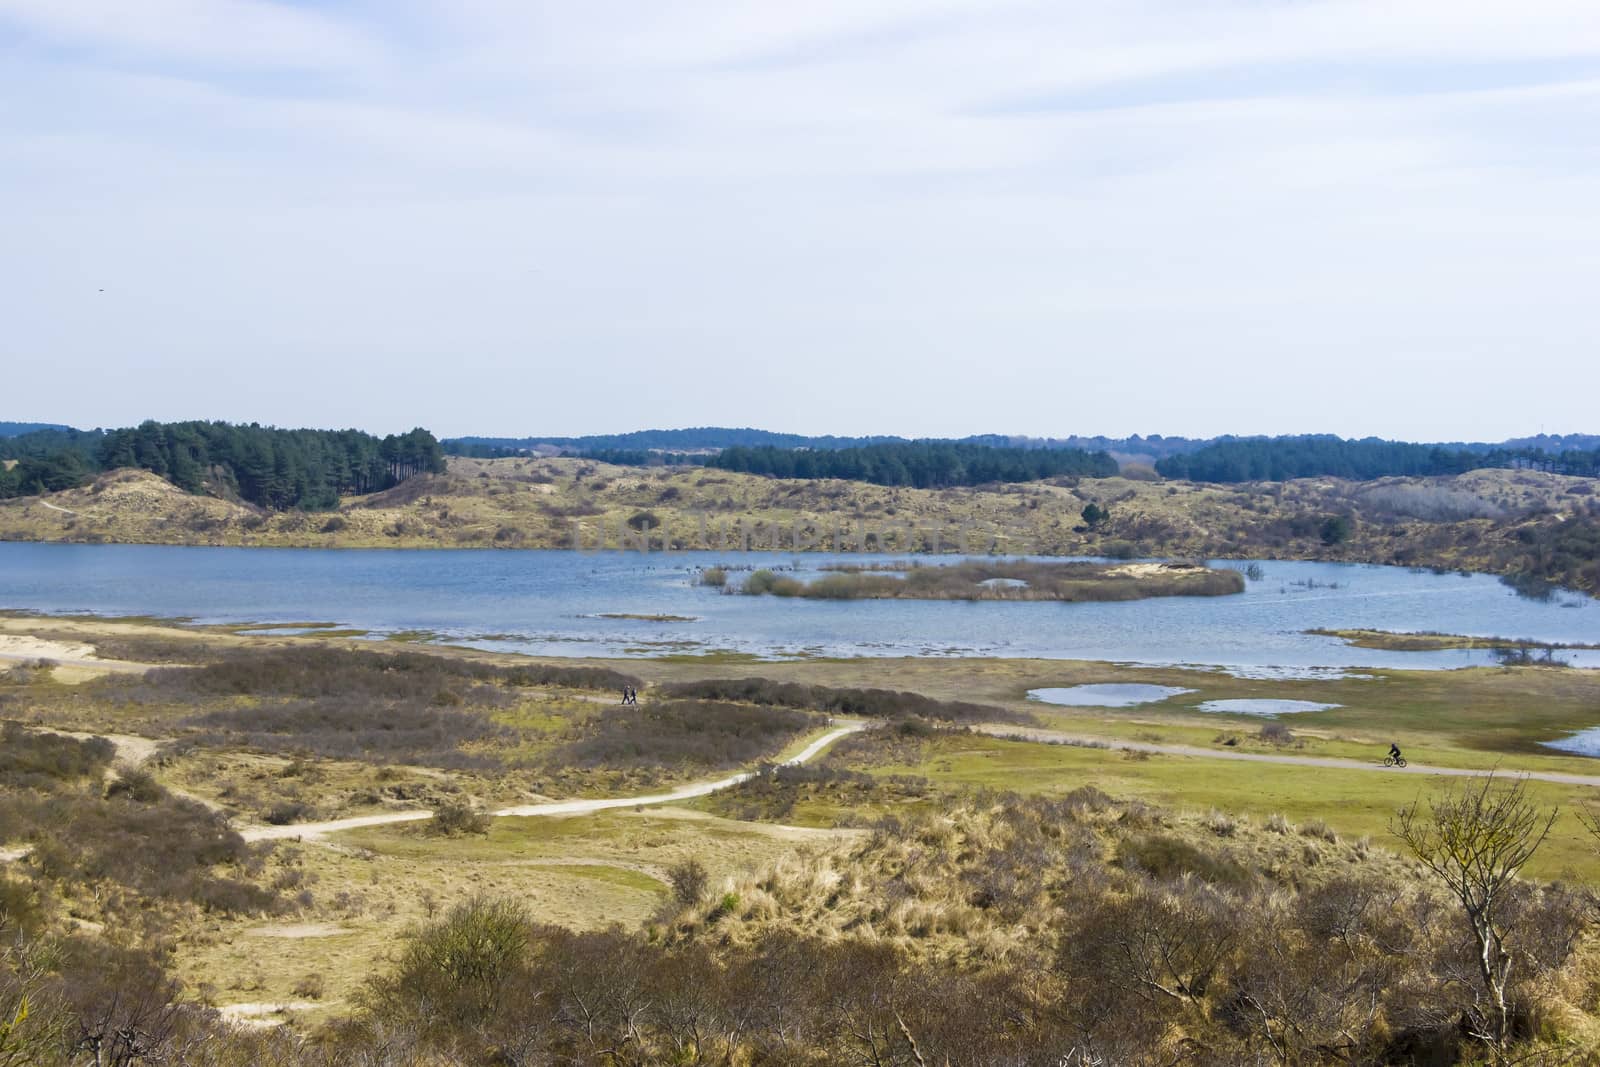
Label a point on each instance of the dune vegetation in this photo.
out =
(1005, 580)
(1540, 526)
(974, 878)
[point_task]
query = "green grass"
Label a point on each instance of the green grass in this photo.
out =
(1355, 803)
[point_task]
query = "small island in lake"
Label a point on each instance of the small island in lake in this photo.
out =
(1004, 580)
(1430, 641)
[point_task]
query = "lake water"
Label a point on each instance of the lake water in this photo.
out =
(549, 603)
(1106, 695)
(1264, 706)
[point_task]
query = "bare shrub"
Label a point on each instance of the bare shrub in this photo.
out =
(1276, 733)
(688, 880)
(453, 818)
(1475, 840)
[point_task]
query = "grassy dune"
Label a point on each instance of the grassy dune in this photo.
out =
(562, 503)
(897, 838)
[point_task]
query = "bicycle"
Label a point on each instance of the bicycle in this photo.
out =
(1394, 761)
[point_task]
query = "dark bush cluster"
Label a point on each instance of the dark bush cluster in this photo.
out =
(674, 733)
(395, 732)
(868, 703)
(33, 759)
(144, 839)
(773, 792)
(312, 671)
(392, 707)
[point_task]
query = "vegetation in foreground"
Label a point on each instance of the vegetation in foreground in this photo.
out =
(1103, 928)
(1000, 930)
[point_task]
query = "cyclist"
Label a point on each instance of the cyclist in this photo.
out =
(1394, 751)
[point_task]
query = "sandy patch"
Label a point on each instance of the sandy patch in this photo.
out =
(263, 1013)
(298, 930)
(132, 751)
(1149, 570)
(12, 855)
(23, 646)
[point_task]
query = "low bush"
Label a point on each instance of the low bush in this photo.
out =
(688, 880)
(868, 703)
(673, 733)
(1166, 858)
(39, 759)
(453, 818)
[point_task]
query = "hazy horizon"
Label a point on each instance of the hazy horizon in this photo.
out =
(957, 435)
(498, 218)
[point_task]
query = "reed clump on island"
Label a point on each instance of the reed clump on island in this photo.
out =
(1005, 580)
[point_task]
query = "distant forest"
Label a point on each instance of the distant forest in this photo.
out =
(1282, 458)
(265, 466)
(655, 444)
(715, 438)
(17, 429)
(922, 464)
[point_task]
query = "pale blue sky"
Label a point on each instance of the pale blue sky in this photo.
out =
(927, 218)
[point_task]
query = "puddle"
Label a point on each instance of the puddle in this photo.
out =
(1582, 743)
(1264, 706)
(1122, 695)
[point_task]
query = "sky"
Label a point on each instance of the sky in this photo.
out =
(929, 218)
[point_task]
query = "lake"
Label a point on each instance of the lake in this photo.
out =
(551, 603)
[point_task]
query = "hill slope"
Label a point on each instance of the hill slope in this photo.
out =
(1502, 521)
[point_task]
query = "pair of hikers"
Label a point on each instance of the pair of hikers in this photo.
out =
(630, 695)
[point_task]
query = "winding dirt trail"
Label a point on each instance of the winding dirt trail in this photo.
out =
(312, 831)
(1058, 737)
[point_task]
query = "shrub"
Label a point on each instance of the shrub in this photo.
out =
(868, 703)
(1168, 858)
(453, 818)
(41, 760)
(681, 732)
(716, 577)
(1276, 733)
(1320, 830)
(688, 881)
(286, 812)
(311, 987)
(764, 581)
(457, 968)
(136, 784)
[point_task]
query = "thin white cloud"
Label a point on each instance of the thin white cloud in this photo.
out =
(994, 213)
(211, 33)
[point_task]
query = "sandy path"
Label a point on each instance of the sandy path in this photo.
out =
(1058, 737)
(315, 830)
(57, 507)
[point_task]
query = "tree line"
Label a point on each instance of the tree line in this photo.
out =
(920, 464)
(263, 465)
(1280, 459)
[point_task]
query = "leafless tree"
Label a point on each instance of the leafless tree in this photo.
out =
(1475, 840)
